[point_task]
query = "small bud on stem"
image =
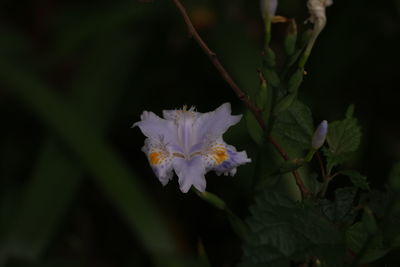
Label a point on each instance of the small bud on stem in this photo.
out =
(319, 136)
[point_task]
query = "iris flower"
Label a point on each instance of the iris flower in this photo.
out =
(191, 144)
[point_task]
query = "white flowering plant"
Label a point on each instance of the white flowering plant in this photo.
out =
(257, 159)
(298, 229)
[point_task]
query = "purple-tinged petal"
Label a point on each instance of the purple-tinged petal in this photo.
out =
(157, 128)
(160, 160)
(215, 123)
(190, 172)
(223, 158)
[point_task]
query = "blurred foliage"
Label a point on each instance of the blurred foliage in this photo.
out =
(77, 190)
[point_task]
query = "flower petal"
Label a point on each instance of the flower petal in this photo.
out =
(160, 160)
(223, 158)
(157, 128)
(190, 172)
(214, 124)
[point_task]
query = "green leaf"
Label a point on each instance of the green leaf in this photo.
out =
(291, 165)
(291, 38)
(357, 236)
(284, 103)
(295, 80)
(282, 230)
(344, 137)
(340, 211)
(255, 131)
(357, 179)
(272, 77)
(332, 159)
(294, 127)
(269, 58)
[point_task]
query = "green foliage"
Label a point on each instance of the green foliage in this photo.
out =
(295, 80)
(294, 127)
(357, 179)
(269, 58)
(291, 38)
(283, 231)
(356, 238)
(344, 137)
(340, 211)
(272, 77)
(254, 129)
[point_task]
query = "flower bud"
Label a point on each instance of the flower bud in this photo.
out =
(317, 12)
(320, 135)
(268, 7)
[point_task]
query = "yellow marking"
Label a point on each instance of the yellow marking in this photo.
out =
(220, 155)
(155, 158)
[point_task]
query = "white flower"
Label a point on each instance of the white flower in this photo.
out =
(191, 144)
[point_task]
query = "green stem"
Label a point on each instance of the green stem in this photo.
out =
(238, 226)
(310, 155)
(267, 24)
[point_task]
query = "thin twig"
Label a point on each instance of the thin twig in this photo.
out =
(239, 92)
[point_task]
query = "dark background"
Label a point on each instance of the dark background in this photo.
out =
(107, 61)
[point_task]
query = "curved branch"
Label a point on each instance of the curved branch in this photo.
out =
(239, 92)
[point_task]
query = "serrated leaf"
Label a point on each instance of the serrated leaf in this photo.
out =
(340, 211)
(344, 136)
(294, 127)
(282, 230)
(357, 235)
(357, 179)
(332, 159)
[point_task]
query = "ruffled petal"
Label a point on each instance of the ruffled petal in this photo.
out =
(160, 160)
(190, 172)
(224, 159)
(213, 124)
(157, 128)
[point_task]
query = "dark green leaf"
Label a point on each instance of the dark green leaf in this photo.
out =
(357, 179)
(269, 58)
(291, 38)
(343, 138)
(272, 77)
(357, 236)
(295, 80)
(340, 211)
(283, 230)
(254, 128)
(294, 127)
